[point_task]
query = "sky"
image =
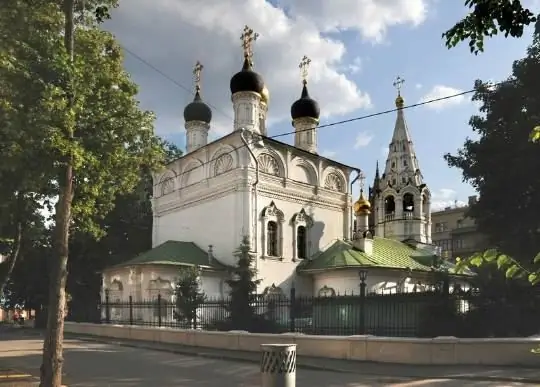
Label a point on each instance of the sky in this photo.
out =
(357, 49)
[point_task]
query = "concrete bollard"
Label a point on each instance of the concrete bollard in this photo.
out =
(278, 365)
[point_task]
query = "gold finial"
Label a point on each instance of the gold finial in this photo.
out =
(304, 67)
(197, 70)
(362, 205)
(398, 84)
(361, 180)
(247, 38)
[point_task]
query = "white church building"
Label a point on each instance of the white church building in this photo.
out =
(295, 206)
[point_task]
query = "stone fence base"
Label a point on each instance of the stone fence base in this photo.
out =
(440, 350)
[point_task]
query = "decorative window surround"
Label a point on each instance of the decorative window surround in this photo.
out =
(301, 219)
(269, 214)
(325, 291)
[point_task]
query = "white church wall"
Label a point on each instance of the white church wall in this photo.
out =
(348, 281)
(326, 226)
(145, 282)
(207, 222)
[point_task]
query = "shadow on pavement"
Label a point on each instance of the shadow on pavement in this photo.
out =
(106, 364)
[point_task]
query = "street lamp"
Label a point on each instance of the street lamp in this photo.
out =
(363, 275)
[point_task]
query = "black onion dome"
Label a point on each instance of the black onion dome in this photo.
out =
(247, 80)
(197, 110)
(305, 106)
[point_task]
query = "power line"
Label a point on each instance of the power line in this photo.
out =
(336, 123)
(171, 79)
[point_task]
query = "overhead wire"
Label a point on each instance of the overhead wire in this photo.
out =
(331, 124)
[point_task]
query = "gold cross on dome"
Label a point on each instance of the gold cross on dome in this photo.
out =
(361, 180)
(247, 38)
(197, 70)
(304, 67)
(398, 84)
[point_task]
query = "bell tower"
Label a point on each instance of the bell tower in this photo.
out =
(402, 199)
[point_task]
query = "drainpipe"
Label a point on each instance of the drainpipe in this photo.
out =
(359, 174)
(254, 186)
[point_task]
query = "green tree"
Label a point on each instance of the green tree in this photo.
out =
(502, 163)
(487, 18)
(189, 296)
(87, 135)
(243, 288)
(127, 233)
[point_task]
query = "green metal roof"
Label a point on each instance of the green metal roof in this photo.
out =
(175, 253)
(387, 253)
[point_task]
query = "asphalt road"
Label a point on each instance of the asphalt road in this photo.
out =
(96, 364)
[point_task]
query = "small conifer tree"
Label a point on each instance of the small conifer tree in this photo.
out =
(243, 288)
(189, 296)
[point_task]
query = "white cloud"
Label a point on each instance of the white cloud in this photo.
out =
(418, 85)
(371, 18)
(443, 198)
(328, 153)
(440, 91)
(173, 34)
(363, 139)
(355, 66)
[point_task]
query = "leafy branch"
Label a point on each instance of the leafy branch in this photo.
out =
(512, 268)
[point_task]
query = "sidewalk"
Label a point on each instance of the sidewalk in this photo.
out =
(473, 373)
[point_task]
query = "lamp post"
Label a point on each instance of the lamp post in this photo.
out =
(107, 309)
(363, 276)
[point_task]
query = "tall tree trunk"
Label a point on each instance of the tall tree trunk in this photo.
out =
(12, 258)
(51, 367)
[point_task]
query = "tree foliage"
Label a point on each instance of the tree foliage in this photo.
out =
(74, 127)
(502, 163)
(243, 288)
(189, 295)
(487, 18)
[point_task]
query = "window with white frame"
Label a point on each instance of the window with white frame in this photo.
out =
(272, 239)
(301, 223)
(272, 231)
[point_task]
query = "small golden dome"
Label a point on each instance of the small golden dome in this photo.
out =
(265, 95)
(362, 205)
(400, 102)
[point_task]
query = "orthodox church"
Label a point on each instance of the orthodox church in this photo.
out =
(295, 206)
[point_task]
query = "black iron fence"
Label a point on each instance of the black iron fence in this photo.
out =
(419, 314)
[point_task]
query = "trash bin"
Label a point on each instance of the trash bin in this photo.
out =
(278, 365)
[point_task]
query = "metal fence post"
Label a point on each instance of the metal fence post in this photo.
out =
(130, 310)
(362, 308)
(159, 309)
(278, 365)
(107, 308)
(292, 304)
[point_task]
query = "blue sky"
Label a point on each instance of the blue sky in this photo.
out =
(412, 48)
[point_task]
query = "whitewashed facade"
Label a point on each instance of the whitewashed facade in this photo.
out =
(291, 202)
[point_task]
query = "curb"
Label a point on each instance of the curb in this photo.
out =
(231, 356)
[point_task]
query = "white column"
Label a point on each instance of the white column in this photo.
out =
(306, 134)
(246, 105)
(196, 135)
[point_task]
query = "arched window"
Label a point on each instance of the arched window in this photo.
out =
(272, 239)
(389, 205)
(272, 231)
(408, 202)
(301, 242)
